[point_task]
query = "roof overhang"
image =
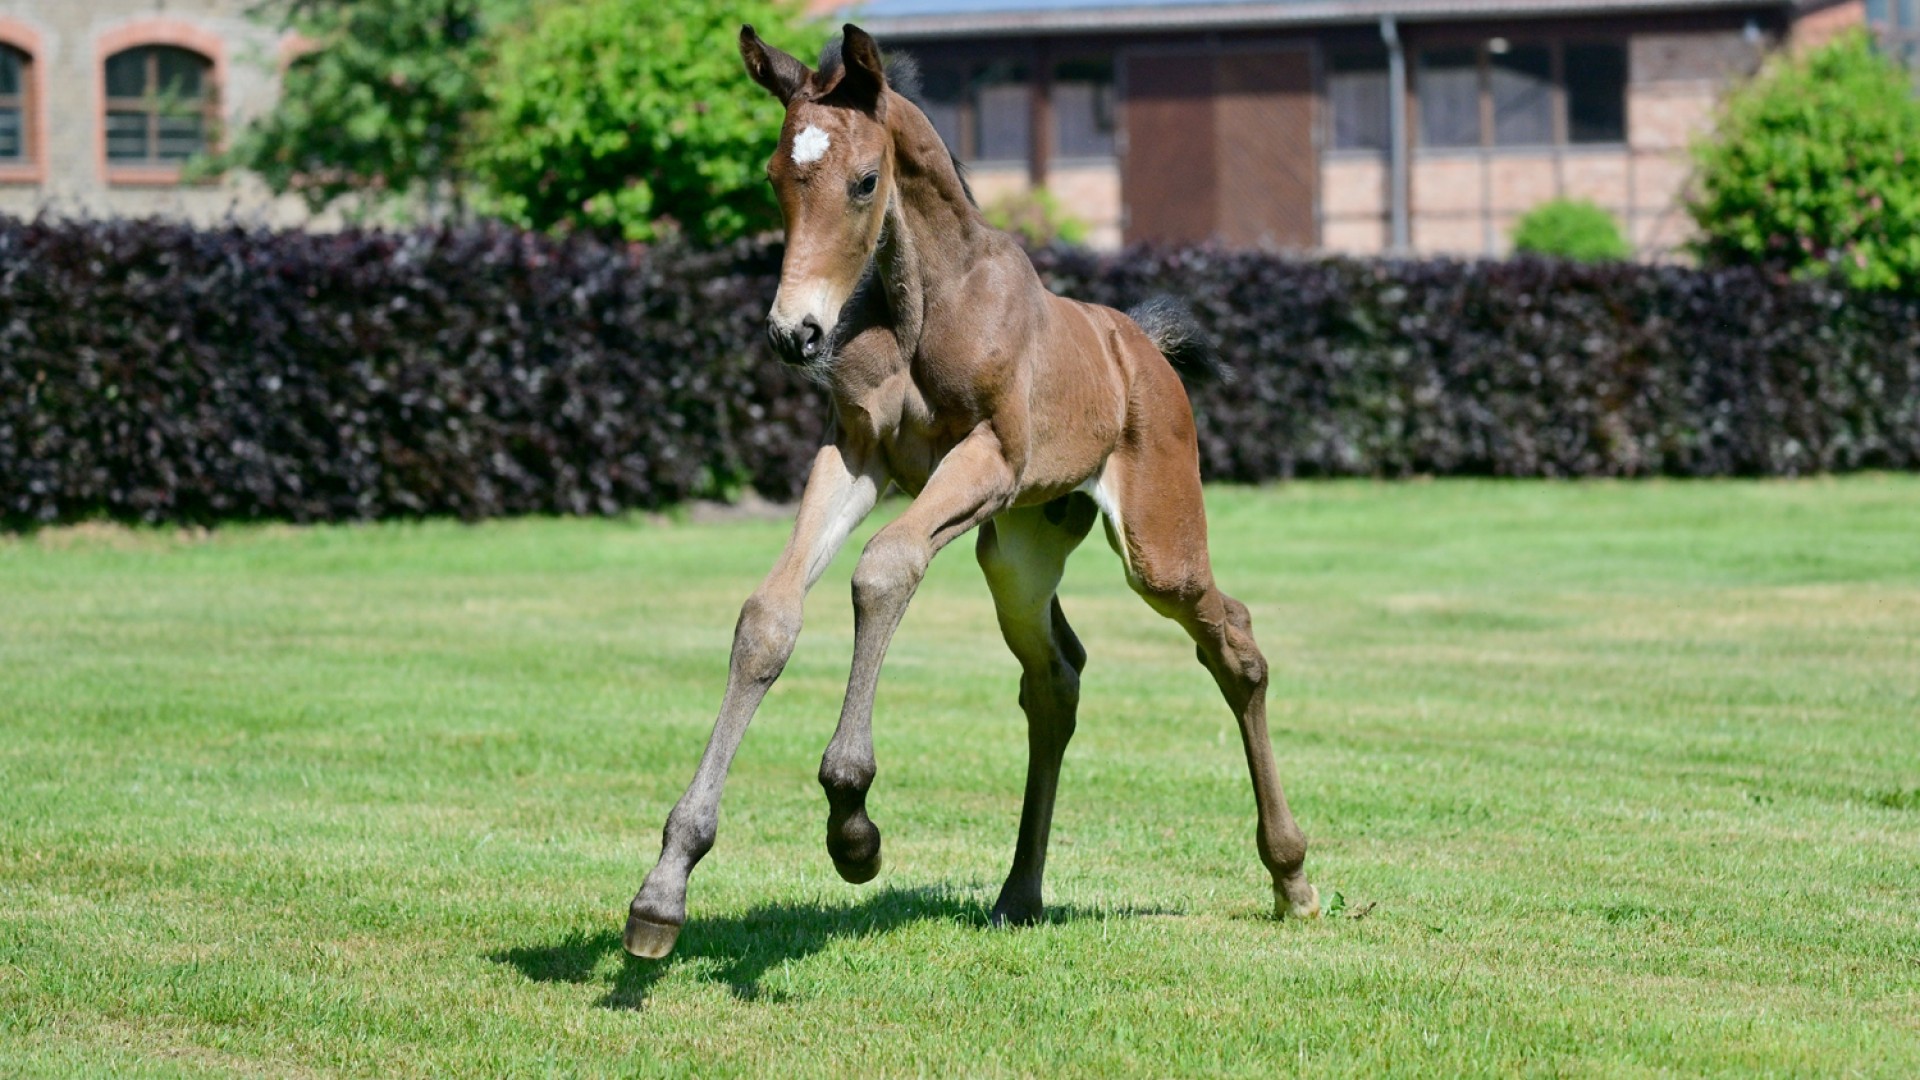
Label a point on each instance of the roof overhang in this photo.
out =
(1255, 15)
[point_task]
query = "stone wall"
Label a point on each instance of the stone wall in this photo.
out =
(68, 42)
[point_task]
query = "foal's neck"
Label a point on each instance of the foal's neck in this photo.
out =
(934, 231)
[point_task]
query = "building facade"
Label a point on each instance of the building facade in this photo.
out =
(104, 102)
(1355, 126)
(1343, 125)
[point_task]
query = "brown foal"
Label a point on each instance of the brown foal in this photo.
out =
(958, 377)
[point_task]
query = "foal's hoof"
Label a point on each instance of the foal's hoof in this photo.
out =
(858, 873)
(1303, 903)
(1009, 915)
(649, 940)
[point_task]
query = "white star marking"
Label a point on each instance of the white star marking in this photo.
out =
(809, 146)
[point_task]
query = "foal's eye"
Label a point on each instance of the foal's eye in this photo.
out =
(863, 188)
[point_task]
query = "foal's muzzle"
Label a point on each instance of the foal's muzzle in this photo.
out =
(798, 345)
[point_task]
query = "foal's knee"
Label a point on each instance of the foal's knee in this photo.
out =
(889, 570)
(764, 637)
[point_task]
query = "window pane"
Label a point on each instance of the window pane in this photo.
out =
(181, 73)
(1083, 110)
(9, 71)
(1596, 93)
(127, 73)
(1449, 96)
(13, 143)
(1357, 95)
(1521, 83)
(1004, 114)
(180, 137)
(942, 88)
(126, 136)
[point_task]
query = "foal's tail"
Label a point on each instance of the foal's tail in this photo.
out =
(1172, 329)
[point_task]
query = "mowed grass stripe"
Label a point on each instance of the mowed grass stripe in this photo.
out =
(1611, 779)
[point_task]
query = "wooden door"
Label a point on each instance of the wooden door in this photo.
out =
(1220, 146)
(1269, 171)
(1167, 182)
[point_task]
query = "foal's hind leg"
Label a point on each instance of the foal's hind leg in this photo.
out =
(1022, 553)
(1157, 522)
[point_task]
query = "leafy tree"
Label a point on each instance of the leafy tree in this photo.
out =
(632, 117)
(1813, 169)
(1570, 229)
(379, 106)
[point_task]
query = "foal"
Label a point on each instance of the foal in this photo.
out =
(958, 377)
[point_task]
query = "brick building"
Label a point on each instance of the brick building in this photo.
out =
(103, 101)
(1345, 125)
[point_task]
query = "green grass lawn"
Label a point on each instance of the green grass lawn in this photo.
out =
(1601, 779)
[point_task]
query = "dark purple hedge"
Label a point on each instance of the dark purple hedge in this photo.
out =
(1531, 367)
(155, 372)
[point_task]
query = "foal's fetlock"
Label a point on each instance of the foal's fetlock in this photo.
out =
(853, 840)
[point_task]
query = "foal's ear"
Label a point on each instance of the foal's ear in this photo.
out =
(779, 73)
(865, 80)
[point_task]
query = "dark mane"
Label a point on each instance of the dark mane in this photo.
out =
(903, 76)
(903, 71)
(830, 63)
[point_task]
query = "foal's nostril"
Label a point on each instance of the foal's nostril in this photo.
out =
(797, 344)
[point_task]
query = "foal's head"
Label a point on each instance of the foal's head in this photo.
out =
(833, 174)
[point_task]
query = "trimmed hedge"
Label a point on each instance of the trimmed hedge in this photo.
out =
(1532, 367)
(155, 372)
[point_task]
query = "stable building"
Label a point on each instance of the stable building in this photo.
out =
(104, 102)
(1342, 125)
(1358, 126)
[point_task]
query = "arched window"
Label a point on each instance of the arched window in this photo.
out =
(19, 139)
(161, 107)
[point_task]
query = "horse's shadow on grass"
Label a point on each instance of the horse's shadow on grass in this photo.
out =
(739, 950)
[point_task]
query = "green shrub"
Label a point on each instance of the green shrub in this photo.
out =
(1037, 218)
(632, 118)
(1570, 229)
(1813, 169)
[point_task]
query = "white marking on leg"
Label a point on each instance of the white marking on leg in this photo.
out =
(810, 145)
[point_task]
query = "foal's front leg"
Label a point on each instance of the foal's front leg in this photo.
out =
(840, 491)
(972, 484)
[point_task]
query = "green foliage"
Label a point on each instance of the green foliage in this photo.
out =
(1570, 229)
(1037, 217)
(633, 117)
(1812, 170)
(379, 108)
